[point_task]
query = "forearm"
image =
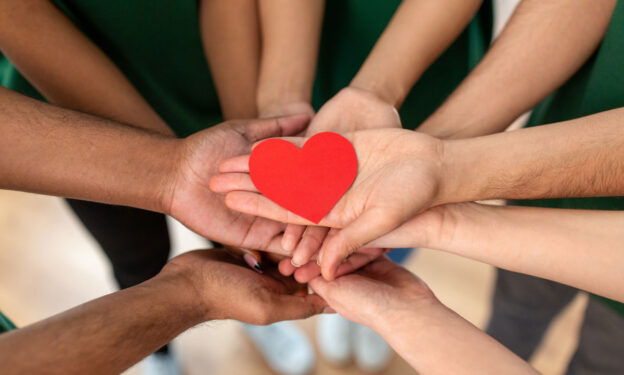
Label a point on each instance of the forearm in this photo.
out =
(578, 158)
(575, 247)
(542, 46)
(435, 340)
(67, 68)
(230, 34)
(104, 336)
(290, 36)
(50, 150)
(417, 34)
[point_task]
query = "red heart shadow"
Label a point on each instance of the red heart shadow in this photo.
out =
(307, 181)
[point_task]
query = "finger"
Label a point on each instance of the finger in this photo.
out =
(355, 262)
(224, 183)
(286, 268)
(288, 307)
(307, 272)
(235, 164)
(310, 244)
(258, 205)
(275, 127)
(291, 237)
(297, 141)
(367, 227)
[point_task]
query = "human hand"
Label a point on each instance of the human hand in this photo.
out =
(194, 205)
(354, 109)
(400, 175)
(226, 288)
(376, 294)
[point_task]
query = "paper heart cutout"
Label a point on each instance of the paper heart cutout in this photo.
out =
(307, 181)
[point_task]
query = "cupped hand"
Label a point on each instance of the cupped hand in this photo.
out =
(194, 205)
(399, 176)
(349, 110)
(372, 295)
(228, 289)
(354, 109)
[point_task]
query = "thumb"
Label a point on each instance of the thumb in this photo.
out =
(275, 127)
(369, 226)
(290, 307)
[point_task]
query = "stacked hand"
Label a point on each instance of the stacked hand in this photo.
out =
(400, 174)
(192, 202)
(225, 288)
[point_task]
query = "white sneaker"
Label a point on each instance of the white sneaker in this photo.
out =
(372, 353)
(333, 333)
(284, 346)
(161, 364)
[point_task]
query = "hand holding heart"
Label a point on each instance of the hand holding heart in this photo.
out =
(399, 174)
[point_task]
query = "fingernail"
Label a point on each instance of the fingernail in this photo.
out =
(328, 310)
(296, 265)
(253, 263)
(318, 262)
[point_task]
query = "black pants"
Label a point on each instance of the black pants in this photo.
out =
(135, 241)
(523, 308)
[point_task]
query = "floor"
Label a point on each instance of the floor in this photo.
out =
(48, 263)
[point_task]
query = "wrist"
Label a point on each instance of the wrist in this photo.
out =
(408, 316)
(175, 289)
(172, 155)
(392, 94)
(459, 182)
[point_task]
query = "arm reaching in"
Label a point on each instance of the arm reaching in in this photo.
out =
(541, 47)
(402, 309)
(49, 150)
(111, 333)
(67, 68)
(403, 173)
(418, 33)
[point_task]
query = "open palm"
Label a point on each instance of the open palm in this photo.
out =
(399, 175)
(203, 211)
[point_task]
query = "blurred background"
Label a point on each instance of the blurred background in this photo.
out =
(49, 263)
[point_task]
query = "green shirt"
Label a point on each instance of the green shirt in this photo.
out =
(157, 45)
(598, 86)
(5, 324)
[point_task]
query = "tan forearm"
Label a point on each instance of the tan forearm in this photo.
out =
(435, 340)
(231, 37)
(417, 34)
(66, 67)
(50, 150)
(542, 46)
(577, 158)
(290, 39)
(104, 336)
(580, 248)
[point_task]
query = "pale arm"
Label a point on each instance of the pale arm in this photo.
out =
(583, 157)
(290, 41)
(418, 33)
(231, 37)
(402, 309)
(581, 248)
(68, 68)
(542, 46)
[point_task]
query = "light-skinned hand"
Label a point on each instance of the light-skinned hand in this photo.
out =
(399, 176)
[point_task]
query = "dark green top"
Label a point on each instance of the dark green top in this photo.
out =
(157, 45)
(598, 86)
(5, 324)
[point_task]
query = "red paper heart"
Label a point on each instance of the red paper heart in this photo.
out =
(307, 181)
